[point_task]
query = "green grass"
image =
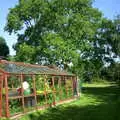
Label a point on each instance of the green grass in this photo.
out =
(98, 102)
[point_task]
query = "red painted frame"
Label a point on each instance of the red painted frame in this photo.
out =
(4, 78)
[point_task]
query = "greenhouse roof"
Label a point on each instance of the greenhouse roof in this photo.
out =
(25, 68)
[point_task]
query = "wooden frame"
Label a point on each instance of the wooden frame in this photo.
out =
(4, 79)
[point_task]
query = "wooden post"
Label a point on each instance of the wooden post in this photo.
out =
(6, 97)
(45, 92)
(72, 86)
(23, 103)
(59, 83)
(73, 78)
(34, 88)
(75, 85)
(66, 86)
(53, 86)
(62, 79)
(78, 86)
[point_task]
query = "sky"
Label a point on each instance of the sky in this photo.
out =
(109, 8)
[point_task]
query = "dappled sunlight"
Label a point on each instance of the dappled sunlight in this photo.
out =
(96, 103)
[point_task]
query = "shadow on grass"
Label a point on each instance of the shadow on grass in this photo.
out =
(108, 109)
(107, 94)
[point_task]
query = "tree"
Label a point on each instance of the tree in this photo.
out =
(25, 53)
(107, 40)
(115, 36)
(56, 31)
(4, 50)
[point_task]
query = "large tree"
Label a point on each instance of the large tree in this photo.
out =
(54, 31)
(4, 50)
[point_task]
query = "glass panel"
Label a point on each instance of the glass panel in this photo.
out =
(39, 81)
(29, 103)
(28, 92)
(40, 90)
(41, 101)
(69, 87)
(69, 83)
(14, 85)
(63, 89)
(57, 89)
(15, 106)
(28, 88)
(70, 93)
(49, 90)
(2, 95)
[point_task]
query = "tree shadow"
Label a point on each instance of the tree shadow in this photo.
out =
(106, 94)
(106, 110)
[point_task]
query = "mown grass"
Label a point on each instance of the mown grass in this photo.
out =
(98, 102)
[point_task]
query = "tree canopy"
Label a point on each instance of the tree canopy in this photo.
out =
(62, 32)
(4, 50)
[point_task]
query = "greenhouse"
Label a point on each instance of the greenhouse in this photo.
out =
(26, 87)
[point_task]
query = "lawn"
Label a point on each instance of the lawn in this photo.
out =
(97, 102)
